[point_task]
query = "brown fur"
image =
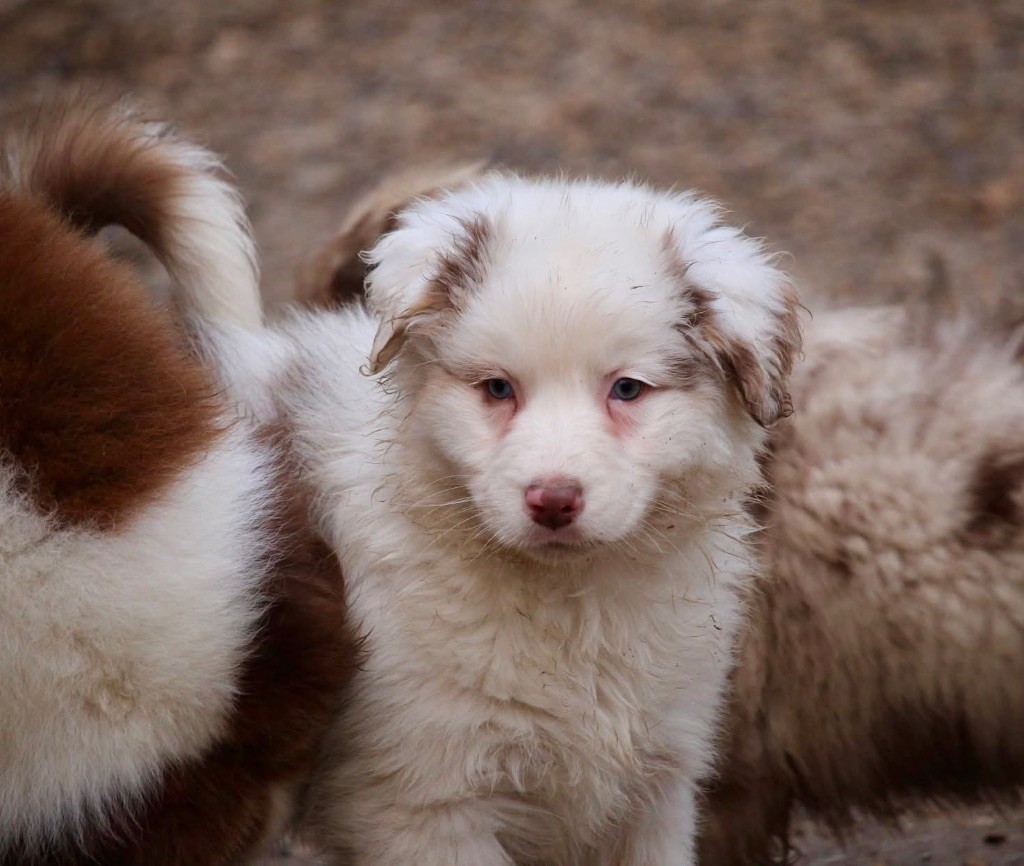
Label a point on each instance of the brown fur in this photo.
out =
(995, 501)
(337, 274)
(886, 650)
(455, 273)
(98, 164)
(462, 267)
(98, 402)
(760, 382)
(92, 165)
(101, 408)
(218, 809)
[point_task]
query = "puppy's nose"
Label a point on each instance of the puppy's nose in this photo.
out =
(554, 503)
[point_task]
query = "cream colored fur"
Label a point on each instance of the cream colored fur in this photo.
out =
(120, 648)
(884, 661)
(523, 702)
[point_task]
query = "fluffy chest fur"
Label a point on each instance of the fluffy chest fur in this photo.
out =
(559, 697)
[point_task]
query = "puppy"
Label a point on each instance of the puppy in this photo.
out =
(885, 665)
(531, 457)
(174, 634)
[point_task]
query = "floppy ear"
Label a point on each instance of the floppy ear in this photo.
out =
(738, 308)
(422, 272)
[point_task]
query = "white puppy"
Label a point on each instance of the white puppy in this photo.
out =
(538, 508)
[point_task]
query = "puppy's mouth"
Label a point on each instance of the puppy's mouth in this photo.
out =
(566, 543)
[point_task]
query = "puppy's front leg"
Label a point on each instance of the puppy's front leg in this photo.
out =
(662, 835)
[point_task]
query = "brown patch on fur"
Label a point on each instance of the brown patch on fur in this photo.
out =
(787, 745)
(100, 407)
(763, 390)
(455, 273)
(911, 755)
(463, 266)
(94, 166)
(687, 372)
(995, 505)
(215, 810)
(880, 668)
(431, 305)
(338, 273)
(760, 501)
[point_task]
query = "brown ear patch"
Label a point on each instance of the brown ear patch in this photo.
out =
(455, 273)
(100, 407)
(463, 266)
(392, 334)
(760, 373)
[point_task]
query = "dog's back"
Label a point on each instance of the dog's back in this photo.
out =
(885, 658)
(173, 630)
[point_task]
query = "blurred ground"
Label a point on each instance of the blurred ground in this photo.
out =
(881, 143)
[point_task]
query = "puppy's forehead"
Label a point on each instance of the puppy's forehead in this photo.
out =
(571, 277)
(594, 216)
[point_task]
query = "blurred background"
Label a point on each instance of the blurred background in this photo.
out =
(880, 143)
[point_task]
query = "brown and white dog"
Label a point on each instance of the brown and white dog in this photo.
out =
(883, 666)
(172, 631)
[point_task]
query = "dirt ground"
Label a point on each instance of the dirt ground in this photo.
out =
(880, 143)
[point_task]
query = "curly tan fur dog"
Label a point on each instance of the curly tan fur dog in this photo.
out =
(173, 631)
(885, 660)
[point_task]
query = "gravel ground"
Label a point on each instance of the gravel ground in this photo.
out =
(880, 143)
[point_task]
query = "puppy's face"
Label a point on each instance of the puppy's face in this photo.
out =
(580, 383)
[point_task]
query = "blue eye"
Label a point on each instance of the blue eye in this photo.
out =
(627, 389)
(499, 389)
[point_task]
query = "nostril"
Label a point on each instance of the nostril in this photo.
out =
(535, 496)
(554, 504)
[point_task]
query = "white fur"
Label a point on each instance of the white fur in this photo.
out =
(120, 649)
(210, 252)
(521, 701)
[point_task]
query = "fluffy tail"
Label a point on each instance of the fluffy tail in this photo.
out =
(100, 166)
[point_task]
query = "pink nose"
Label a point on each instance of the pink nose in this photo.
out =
(554, 503)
